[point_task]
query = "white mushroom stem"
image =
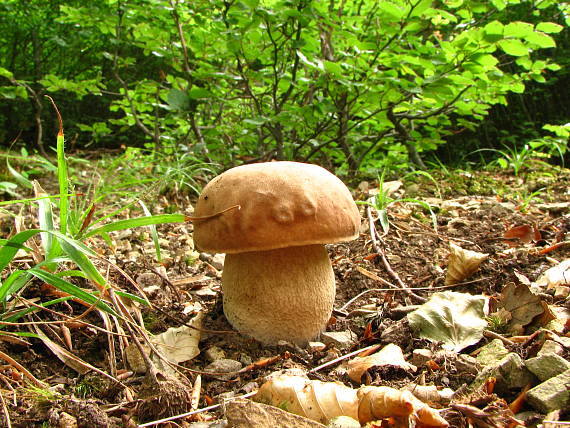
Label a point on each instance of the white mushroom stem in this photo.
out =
(285, 294)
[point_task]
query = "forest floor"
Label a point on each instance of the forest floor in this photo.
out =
(521, 222)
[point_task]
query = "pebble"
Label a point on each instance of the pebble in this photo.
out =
(552, 394)
(547, 365)
(223, 365)
(214, 353)
(341, 339)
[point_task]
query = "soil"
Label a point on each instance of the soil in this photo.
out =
(474, 212)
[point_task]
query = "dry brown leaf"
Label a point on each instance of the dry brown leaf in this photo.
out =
(523, 233)
(462, 263)
(391, 355)
(522, 304)
(323, 401)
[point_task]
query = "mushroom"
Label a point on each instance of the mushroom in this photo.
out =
(272, 221)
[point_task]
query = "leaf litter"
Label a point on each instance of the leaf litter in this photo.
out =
(528, 317)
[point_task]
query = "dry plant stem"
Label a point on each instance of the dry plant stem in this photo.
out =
(21, 368)
(147, 362)
(194, 412)
(5, 410)
(344, 357)
(380, 250)
(493, 335)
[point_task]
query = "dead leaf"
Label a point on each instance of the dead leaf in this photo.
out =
(523, 233)
(180, 344)
(323, 401)
(462, 263)
(558, 275)
(391, 355)
(521, 303)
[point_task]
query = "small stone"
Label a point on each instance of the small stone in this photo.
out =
(341, 339)
(214, 353)
(149, 279)
(343, 422)
(245, 359)
(467, 364)
(421, 356)
(552, 394)
(550, 346)
(492, 353)
(547, 365)
(247, 414)
(316, 346)
(223, 365)
(510, 373)
(218, 261)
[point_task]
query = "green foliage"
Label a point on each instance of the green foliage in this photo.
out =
(63, 229)
(360, 85)
(383, 199)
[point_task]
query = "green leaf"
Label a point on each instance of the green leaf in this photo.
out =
(178, 100)
(6, 73)
(333, 68)
(197, 93)
(549, 27)
(499, 4)
(493, 31)
(518, 29)
(456, 319)
(513, 47)
(390, 9)
(541, 39)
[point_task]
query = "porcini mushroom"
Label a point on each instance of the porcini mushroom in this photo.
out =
(272, 221)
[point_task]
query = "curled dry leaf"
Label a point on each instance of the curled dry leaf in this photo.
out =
(323, 401)
(389, 355)
(558, 275)
(462, 263)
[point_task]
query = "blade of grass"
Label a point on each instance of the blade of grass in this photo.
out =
(69, 288)
(62, 175)
(136, 222)
(11, 247)
(153, 232)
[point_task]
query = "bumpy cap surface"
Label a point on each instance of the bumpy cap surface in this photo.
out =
(282, 204)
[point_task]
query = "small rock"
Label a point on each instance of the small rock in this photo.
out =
(341, 339)
(547, 365)
(492, 353)
(149, 279)
(510, 372)
(214, 353)
(316, 346)
(216, 260)
(552, 394)
(223, 365)
(550, 346)
(467, 364)
(247, 414)
(421, 356)
(343, 422)
(245, 359)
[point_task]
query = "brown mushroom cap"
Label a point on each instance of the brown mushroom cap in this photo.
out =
(282, 204)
